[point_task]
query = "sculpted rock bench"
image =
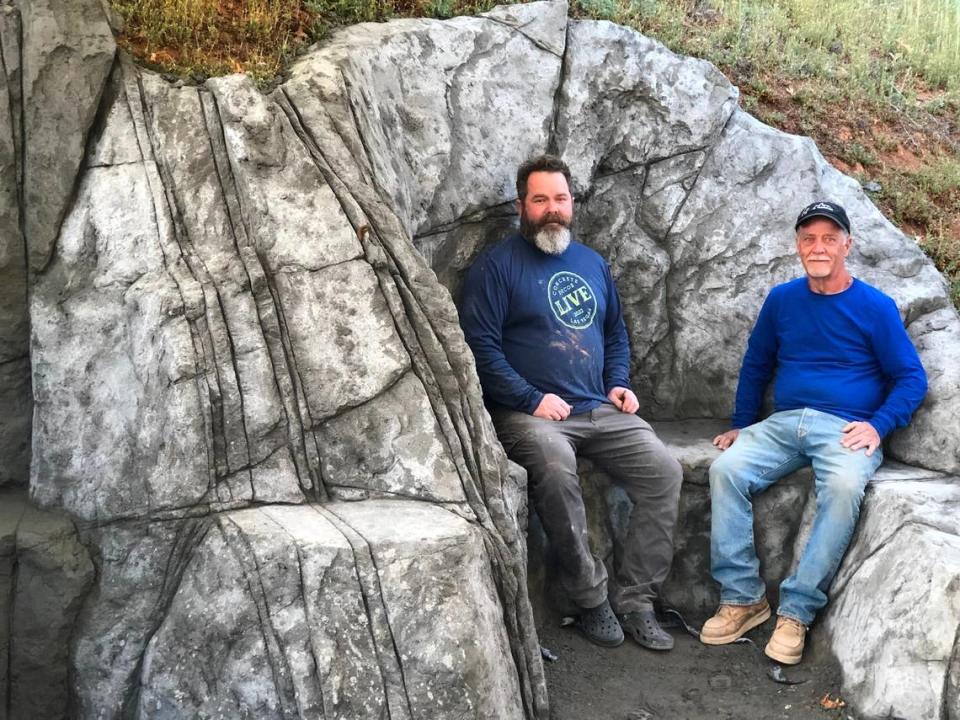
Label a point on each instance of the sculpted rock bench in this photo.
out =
(236, 328)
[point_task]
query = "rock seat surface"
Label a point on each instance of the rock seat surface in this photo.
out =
(689, 585)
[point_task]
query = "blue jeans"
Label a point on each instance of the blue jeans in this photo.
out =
(762, 454)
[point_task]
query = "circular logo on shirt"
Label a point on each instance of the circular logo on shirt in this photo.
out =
(572, 300)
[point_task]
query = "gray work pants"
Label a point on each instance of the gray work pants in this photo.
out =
(631, 453)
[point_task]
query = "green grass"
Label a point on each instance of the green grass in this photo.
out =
(928, 200)
(883, 45)
(876, 83)
(884, 48)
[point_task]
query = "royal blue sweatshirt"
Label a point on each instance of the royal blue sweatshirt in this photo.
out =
(539, 323)
(846, 354)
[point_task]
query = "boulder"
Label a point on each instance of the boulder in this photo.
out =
(203, 346)
(691, 200)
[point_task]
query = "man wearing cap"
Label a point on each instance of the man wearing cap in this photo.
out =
(542, 316)
(846, 376)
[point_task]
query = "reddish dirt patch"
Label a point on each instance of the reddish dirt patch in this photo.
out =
(901, 159)
(840, 165)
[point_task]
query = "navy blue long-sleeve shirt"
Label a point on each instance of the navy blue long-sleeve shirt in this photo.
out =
(846, 354)
(540, 323)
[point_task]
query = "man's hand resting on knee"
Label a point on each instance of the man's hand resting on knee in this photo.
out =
(860, 434)
(552, 407)
(725, 440)
(623, 399)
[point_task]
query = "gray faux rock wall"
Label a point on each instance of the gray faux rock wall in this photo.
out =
(269, 485)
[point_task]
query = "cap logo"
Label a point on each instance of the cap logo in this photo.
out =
(824, 209)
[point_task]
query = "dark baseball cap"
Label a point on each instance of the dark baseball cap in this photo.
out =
(825, 209)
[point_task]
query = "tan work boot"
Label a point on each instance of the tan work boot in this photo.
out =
(732, 621)
(786, 643)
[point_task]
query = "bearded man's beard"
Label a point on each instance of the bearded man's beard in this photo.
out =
(553, 240)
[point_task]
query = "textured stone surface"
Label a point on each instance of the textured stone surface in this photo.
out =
(628, 102)
(347, 348)
(139, 568)
(894, 622)
(109, 324)
(284, 200)
(410, 459)
(459, 667)
(14, 332)
(304, 611)
(441, 113)
(16, 400)
(452, 249)
(13, 287)
(45, 573)
(280, 584)
(66, 56)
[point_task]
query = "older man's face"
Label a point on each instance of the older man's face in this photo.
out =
(823, 247)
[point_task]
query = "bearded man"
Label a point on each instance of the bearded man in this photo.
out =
(541, 313)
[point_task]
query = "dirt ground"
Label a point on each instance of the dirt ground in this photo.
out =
(691, 682)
